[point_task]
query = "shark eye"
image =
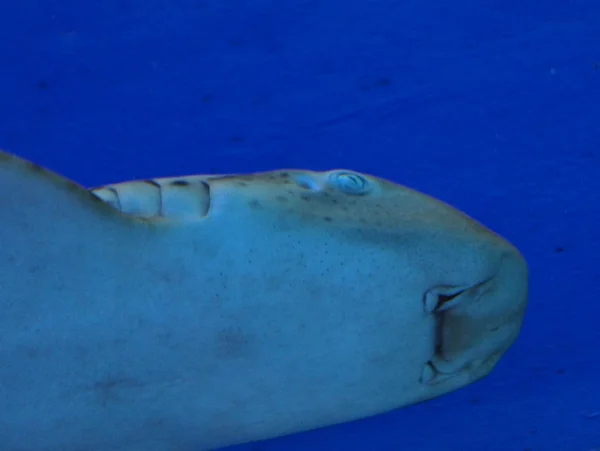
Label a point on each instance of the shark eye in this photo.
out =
(350, 182)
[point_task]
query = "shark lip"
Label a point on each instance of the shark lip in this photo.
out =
(433, 373)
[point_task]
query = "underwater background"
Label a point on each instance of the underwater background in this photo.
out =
(492, 106)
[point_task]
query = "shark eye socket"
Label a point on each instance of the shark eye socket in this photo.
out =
(350, 182)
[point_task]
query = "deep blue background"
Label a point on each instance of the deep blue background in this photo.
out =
(492, 106)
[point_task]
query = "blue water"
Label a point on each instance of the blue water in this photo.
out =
(492, 106)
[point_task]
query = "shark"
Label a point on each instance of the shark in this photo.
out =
(196, 312)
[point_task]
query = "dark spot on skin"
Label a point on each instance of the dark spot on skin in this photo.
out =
(281, 199)
(207, 98)
(559, 250)
(73, 187)
(328, 218)
(43, 85)
(236, 139)
(34, 167)
(254, 203)
(284, 175)
(32, 353)
(305, 198)
(108, 388)
(156, 422)
(560, 371)
(596, 66)
(231, 343)
(240, 183)
(180, 183)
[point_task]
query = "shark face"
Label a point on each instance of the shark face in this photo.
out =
(479, 292)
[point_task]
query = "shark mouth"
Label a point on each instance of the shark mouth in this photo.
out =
(465, 338)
